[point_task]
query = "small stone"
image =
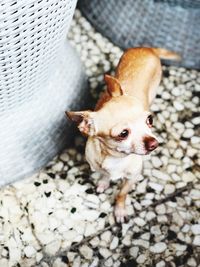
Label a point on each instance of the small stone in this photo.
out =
(195, 229)
(108, 262)
(155, 230)
(53, 247)
(86, 252)
(105, 253)
(192, 262)
(145, 236)
(90, 215)
(58, 166)
(93, 198)
(160, 264)
(176, 92)
(188, 177)
(158, 248)
(106, 236)
(160, 175)
(141, 188)
(141, 259)
(195, 194)
(150, 215)
(114, 243)
(139, 221)
(126, 240)
(94, 241)
(156, 162)
(169, 189)
(179, 247)
(64, 157)
(196, 240)
(134, 251)
(185, 228)
(178, 106)
(195, 140)
(178, 154)
(160, 209)
(196, 120)
(188, 133)
(29, 251)
(90, 229)
(141, 243)
(156, 186)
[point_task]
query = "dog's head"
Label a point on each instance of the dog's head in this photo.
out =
(121, 124)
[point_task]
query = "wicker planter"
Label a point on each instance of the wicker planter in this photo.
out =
(40, 77)
(173, 24)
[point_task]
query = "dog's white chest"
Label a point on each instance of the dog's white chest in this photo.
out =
(128, 167)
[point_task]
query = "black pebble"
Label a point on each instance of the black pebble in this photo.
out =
(166, 73)
(45, 181)
(129, 263)
(171, 235)
(89, 191)
(73, 210)
(52, 175)
(47, 194)
(102, 215)
(65, 259)
(37, 183)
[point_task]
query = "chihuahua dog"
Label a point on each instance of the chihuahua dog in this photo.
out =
(119, 130)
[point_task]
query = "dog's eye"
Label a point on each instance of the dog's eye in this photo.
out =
(149, 121)
(124, 134)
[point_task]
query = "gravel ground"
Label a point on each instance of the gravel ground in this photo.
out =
(55, 218)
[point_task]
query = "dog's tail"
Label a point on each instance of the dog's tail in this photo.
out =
(166, 54)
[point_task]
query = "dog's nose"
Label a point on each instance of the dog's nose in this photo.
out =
(150, 143)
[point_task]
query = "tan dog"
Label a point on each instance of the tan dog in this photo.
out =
(119, 130)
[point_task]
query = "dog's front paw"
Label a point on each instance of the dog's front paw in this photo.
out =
(120, 214)
(102, 186)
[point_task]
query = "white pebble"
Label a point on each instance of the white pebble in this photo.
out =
(169, 189)
(178, 106)
(134, 251)
(53, 247)
(160, 175)
(105, 253)
(156, 187)
(195, 229)
(86, 252)
(156, 162)
(188, 177)
(150, 215)
(160, 209)
(106, 236)
(141, 188)
(158, 247)
(196, 240)
(191, 262)
(141, 259)
(139, 221)
(188, 133)
(141, 243)
(114, 243)
(195, 194)
(29, 251)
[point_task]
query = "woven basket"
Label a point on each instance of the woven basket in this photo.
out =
(172, 24)
(41, 77)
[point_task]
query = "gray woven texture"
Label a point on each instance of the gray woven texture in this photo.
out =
(41, 76)
(172, 24)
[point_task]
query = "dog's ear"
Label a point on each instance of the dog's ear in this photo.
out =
(113, 86)
(84, 121)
